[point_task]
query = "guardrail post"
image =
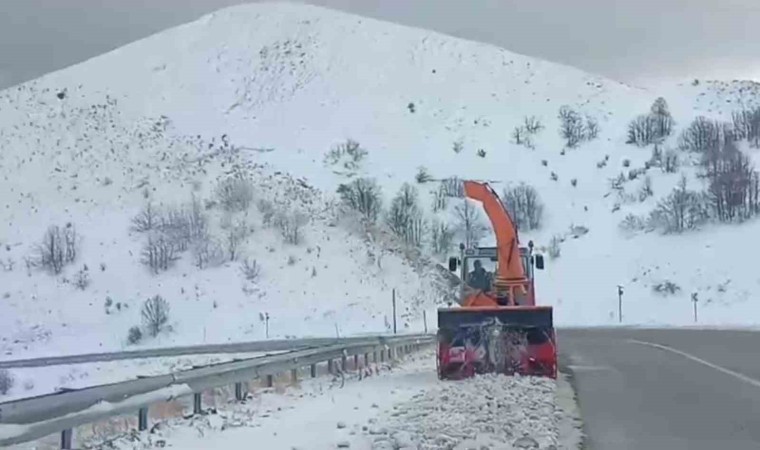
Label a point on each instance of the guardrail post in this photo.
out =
(374, 356)
(67, 436)
(294, 375)
(382, 355)
(343, 363)
(197, 406)
(330, 368)
(366, 360)
(356, 362)
(239, 395)
(270, 380)
(314, 371)
(142, 419)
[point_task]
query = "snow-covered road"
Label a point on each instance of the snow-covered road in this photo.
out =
(402, 406)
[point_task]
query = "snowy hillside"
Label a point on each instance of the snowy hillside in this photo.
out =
(267, 92)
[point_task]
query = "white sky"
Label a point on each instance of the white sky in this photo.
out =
(637, 41)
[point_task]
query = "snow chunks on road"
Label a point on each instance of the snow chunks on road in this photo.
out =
(485, 412)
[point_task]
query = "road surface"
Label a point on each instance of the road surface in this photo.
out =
(669, 389)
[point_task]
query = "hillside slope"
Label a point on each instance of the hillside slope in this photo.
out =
(268, 90)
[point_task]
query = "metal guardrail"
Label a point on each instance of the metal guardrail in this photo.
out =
(29, 419)
(239, 347)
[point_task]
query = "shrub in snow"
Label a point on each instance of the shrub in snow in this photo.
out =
(250, 269)
(524, 205)
(267, 210)
(290, 224)
(670, 161)
(146, 220)
(470, 223)
(458, 146)
(554, 176)
(58, 248)
(207, 252)
(532, 125)
(520, 136)
(159, 253)
(591, 129)
(554, 249)
(666, 287)
(6, 381)
(646, 190)
(134, 335)
(233, 239)
(481, 153)
(363, 195)
(632, 222)
(423, 176)
(291, 260)
(571, 126)
(155, 314)
(350, 153)
(405, 217)
(234, 193)
(574, 182)
(82, 278)
(626, 162)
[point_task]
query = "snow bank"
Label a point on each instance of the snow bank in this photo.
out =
(492, 411)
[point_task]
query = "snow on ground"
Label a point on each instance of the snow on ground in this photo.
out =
(401, 406)
(30, 382)
(266, 91)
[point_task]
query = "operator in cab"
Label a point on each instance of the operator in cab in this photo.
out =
(479, 278)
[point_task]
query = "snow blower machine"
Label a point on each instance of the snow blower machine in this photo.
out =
(497, 327)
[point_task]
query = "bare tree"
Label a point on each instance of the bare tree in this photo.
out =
(440, 199)
(363, 195)
(682, 210)
(155, 314)
(663, 121)
(733, 183)
(524, 205)
(453, 187)
(159, 253)
(520, 136)
(58, 248)
(703, 134)
(233, 239)
(405, 216)
(470, 223)
(442, 238)
(591, 130)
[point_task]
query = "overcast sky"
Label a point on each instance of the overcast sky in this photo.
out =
(637, 41)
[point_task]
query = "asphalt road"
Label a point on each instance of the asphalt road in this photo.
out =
(665, 389)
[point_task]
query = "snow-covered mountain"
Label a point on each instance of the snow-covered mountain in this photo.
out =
(267, 91)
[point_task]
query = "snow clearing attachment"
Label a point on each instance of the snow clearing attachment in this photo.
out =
(497, 327)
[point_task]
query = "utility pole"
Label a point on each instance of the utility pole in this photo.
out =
(620, 303)
(694, 299)
(394, 310)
